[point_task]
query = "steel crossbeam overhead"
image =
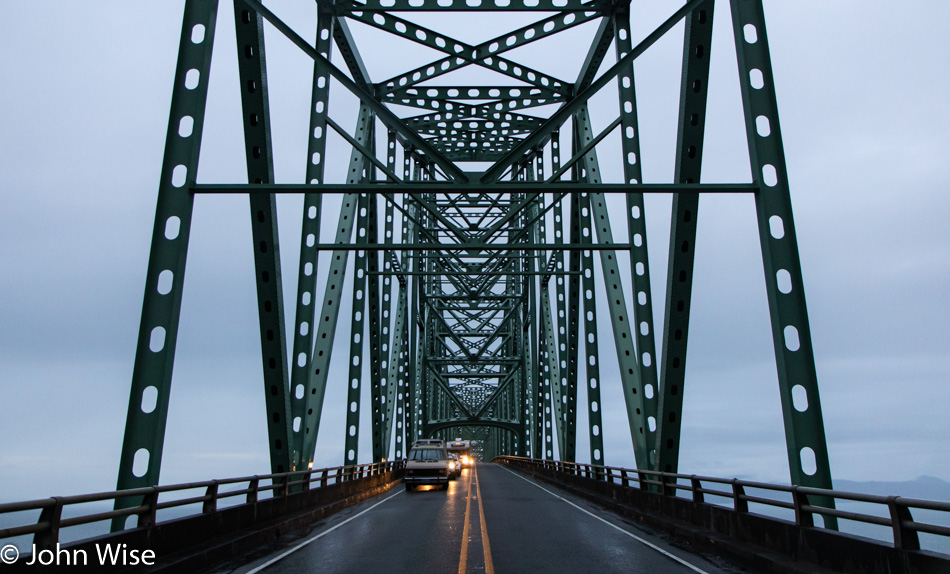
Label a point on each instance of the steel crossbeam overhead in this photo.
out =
(475, 253)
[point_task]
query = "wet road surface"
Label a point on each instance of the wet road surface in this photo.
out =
(491, 520)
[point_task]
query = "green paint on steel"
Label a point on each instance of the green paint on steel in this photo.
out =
(142, 447)
(469, 305)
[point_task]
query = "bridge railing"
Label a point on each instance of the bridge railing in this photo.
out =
(217, 493)
(899, 517)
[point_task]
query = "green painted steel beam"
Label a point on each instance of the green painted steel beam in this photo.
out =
(420, 188)
(143, 443)
(368, 99)
(795, 360)
(303, 337)
(682, 250)
(595, 425)
(358, 320)
(307, 400)
(580, 99)
(641, 406)
(264, 231)
(473, 338)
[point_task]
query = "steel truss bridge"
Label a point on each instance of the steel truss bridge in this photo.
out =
(473, 214)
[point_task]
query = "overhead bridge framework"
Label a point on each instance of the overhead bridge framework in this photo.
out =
(473, 215)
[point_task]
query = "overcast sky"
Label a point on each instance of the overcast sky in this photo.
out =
(862, 100)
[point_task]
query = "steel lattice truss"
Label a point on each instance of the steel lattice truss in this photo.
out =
(473, 214)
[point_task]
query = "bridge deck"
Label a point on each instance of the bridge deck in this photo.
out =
(490, 520)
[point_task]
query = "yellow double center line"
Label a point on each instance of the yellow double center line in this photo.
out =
(486, 547)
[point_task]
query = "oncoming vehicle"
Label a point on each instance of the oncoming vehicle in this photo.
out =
(455, 466)
(463, 449)
(427, 464)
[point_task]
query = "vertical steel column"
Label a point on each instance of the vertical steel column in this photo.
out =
(308, 402)
(357, 332)
(310, 230)
(553, 382)
(397, 377)
(552, 385)
(141, 458)
(541, 380)
(636, 225)
(685, 212)
(568, 452)
(252, 69)
(592, 367)
(379, 373)
(559, 384)
(414, 400)
(391, 341)
(639, 406)
(795, 360)
(528, 416)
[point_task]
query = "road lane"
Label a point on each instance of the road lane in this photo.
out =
(544, 529)
(490, 520)
(398, 531)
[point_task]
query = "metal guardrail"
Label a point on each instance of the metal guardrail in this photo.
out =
(905, 529)
(47, 528)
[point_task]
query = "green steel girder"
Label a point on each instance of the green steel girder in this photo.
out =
(249, 28)
(368, 99)
(553, 123)
(456, 93)
(437, 426)
(685, 213)
(391, 341)
(534, 380)
(379, 372)
(569, 359)
(642, 315)
(344, 41)
(144, 437)
(468, 337)
(310, 230)
(485, 54)
(307, 400)
(791, 334)
(640, 406)
(471, 6)
(357, 334)
(592, 363)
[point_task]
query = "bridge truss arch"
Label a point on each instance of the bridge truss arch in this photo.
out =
(476, 228)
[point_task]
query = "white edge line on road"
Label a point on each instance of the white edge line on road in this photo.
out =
(630, 534)
(325, 532)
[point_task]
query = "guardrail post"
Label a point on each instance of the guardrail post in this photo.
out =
(696, 488)
(624, 479)
(147, 514)
(49, 537)
(211, 504)
(324, 478)
(641, 481)
(252, 488)
(904, 538)
(739, 503)
(803, 517)
(667, 489)
(339, 475)
(306, 483)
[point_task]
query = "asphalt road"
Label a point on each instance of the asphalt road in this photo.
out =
(490, 520)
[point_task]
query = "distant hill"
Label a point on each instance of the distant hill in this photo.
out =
(926, 487)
